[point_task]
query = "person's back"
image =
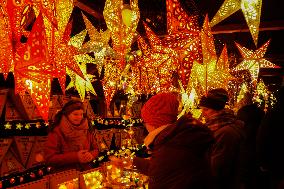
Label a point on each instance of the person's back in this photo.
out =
(180, 156)
(229, 135)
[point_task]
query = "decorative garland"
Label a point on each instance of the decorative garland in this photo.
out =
(38, 172)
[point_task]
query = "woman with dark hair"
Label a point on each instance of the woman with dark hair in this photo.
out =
(71, 142)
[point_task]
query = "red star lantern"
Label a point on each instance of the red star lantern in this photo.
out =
(32, 71)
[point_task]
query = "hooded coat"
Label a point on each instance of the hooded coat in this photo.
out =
(179, 157)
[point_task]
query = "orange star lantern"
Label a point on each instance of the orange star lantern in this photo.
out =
(122, 21)
(32, 71)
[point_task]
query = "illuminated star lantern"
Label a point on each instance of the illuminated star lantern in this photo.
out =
(254, 60)
(81, 85)
(27, 126)
(48, 9)
(64, 55)
(63, 12)
(32, 72)
(183, 37)
(251, 10)
(122, 21)
(157, 63)
(98, 44)
(178, 20)
(18, 16)
(6, 51)
(207, 41)
(208, 77)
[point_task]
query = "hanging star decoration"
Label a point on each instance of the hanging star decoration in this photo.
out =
(81, 85)
(18, 16)
(65, 55)
(208, 75)
(251, 10)
(122, 21)
(157, 63)
(98, 44)
(64, 9)
(6, 48)
(32, 72)
(183, 37)
(254, 60)
(48, 10)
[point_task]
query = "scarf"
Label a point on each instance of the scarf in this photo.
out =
(75, 136)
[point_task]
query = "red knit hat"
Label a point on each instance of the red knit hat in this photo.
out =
(161, 109)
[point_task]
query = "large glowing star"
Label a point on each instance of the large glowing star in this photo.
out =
(81, 85)
(251, 10)
(208, 77)
(32, 71)
(254, 60)
(122, 34)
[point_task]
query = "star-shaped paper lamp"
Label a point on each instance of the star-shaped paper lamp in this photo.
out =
(251, 10)
(183, 37)
(63, 12)
(122, 21)
(32, 71)
(18, 13)
(6, 51)
(65, 53)
(81, 85)
(254, 60)
(178, 20)
(207, 41)
(208, 77)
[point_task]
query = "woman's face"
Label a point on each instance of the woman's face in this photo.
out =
(76, 117)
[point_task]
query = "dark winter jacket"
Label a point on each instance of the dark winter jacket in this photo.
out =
(225, 156)
(179, 158)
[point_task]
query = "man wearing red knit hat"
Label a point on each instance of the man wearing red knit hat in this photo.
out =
(179, 148)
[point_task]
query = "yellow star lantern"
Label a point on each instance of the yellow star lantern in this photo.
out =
(64, 55)
(251, 10)
(207, 41)
(81, 85)
(254, 60)
(64, 9)
(6, 51)
(208, 77)
(32, 71)
(122, 23)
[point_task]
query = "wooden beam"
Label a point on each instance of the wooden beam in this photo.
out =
(89, 10)
(236, 28)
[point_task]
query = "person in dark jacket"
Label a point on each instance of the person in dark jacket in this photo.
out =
(251, 115)
(71, 143)
(179, 148)
(270, 143)
(229, 135)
